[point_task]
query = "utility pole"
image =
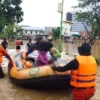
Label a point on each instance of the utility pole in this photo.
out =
(61, 22)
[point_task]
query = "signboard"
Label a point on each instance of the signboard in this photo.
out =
(66, 28)
(60, 7)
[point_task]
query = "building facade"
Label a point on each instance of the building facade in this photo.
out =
(77, 26)
(27, 30)
(48, 30)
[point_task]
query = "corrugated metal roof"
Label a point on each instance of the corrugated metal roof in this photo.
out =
(31, 28)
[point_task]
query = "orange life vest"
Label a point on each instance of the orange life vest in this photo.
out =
(85, 75)
(0, 57)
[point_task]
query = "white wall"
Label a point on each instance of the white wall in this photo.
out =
(29, 32)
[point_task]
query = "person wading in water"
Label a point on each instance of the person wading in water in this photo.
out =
(83, 73)
(4, 53)
(4, 44)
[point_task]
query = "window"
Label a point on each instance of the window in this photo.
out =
(25, 31)
(31, 32)
(35, 31)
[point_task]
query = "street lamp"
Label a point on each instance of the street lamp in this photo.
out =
(60, 10)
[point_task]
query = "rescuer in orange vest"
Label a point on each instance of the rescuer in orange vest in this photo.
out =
(3, 53)
(83, 73)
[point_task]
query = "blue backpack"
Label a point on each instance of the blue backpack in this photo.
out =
(42, 59)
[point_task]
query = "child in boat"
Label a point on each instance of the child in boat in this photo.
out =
(41, 56)
(55, 53)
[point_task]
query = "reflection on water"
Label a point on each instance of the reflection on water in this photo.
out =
(9, 91)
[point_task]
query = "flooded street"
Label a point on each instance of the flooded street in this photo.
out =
(9, 91)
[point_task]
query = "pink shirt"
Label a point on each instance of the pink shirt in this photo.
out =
(18, 42)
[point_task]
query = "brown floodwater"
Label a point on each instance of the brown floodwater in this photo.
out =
(9, 91)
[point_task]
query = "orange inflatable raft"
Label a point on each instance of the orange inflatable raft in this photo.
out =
(24, 74)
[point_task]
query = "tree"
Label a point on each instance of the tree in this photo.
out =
(10, 12)
(8, 31)
(56, 32)
(89, 12)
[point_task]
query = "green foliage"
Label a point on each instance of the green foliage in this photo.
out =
(8, 31)
(10, 12)
(89, 11)
(2, 36)
(56, 32)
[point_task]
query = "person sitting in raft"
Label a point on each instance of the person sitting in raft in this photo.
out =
(33, 55)
(42, 56)
(32, 47)
(37, 44)
(55, 53)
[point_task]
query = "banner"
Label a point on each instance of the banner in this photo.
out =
(66, 28)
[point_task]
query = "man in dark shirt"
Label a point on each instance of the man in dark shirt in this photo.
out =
(83, 73)
(29, 44)
(36, 45)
